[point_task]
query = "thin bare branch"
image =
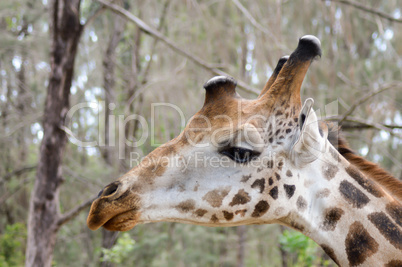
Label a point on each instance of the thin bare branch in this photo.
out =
(368, 9)
(91, 18)
(353, 123)
(7, 195)
(17, 172)
(254, 22)
(74, 211)
(367, 96)
(155, 41)
(23, 123)
(156, 34)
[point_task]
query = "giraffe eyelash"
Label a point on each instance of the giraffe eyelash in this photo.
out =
(239, 154)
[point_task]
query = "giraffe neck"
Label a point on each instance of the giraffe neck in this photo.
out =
(351, 218)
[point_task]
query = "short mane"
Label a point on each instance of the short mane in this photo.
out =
(370, 169)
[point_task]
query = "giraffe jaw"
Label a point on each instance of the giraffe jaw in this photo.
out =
(115, 222)
(123, 221)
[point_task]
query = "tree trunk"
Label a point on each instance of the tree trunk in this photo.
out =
(108, 240)
(241, 232)
(43, 221)
(284, 254)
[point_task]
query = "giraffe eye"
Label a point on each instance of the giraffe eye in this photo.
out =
(240, 155)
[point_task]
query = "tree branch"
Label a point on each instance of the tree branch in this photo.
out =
(74, 212)
(257, 25)
(353, 123)
(156, 34)
(17, 172)
(366, 97)
(91, 18)
(368, 9)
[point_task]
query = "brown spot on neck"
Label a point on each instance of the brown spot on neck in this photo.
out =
(228, 215)
(245, 178)
(394, 209)
(367, 184)
(214, 219)
(359, 244)
(301, 204)
(353, 195)
(290, 190)
(387, 228)
(241, 212)
(329, 171)
(215, 197)
(186, 206)
(200, 212)
(242, 197)
(260, 209)
(323, 193)
(274, 192)
(394, 263)
(260, 183)
(331, 218)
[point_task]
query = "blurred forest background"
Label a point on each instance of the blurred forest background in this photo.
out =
(164, 51)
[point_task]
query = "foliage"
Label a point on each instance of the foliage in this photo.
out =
(120, 251)
(12, 244)
(305, 249)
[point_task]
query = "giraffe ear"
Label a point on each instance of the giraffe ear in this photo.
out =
(218, 88)
(310, 141)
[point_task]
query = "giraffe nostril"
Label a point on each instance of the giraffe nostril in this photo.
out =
(109, 190)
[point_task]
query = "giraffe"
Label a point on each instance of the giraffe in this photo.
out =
(261, 161)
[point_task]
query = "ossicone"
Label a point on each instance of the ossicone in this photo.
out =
(219, 87)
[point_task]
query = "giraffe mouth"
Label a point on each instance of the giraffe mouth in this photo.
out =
(123, 221)
(112, 218)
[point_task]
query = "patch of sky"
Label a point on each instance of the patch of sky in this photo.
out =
(314, 22)
(93, 36)
(363, 151)
(45, 27)
(384, 135)
(380, 44)
(388, 34)
(42, 65)
(250, 45)
(17, 63)
(397, 13)
(338, 13)
(254, 78)
(377, 158)
(92, 93)
(36, 129)
(91, 151)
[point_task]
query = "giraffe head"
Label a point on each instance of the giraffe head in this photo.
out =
(235, 163)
